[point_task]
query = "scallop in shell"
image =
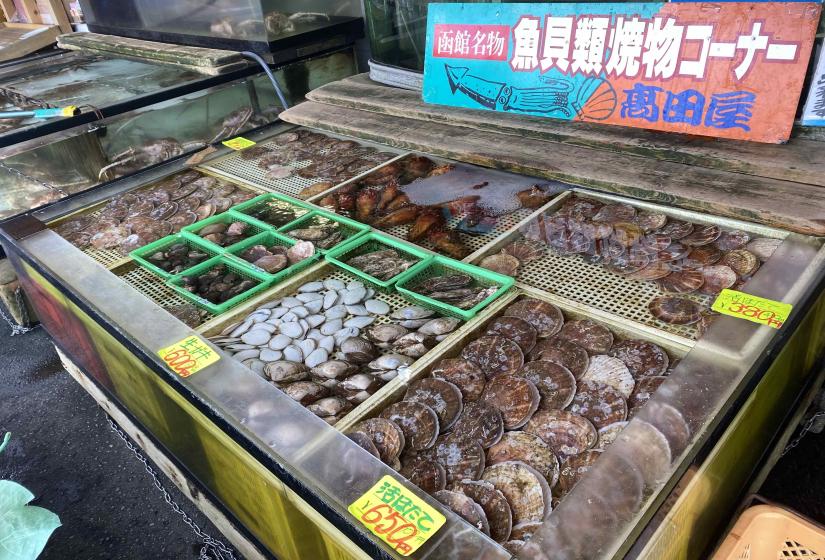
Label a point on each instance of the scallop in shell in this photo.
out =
(562, 352)
(627, 234)
(609, 433)
(673, 252)
(641, 357)
(676, 229)
(612, 372)
(702, 235)
(647, 449)
(743, 262)
(682, 281)
(653, 271)
(525, 250)
(465, 507)
(525, 489)
(580, 208)
(465, 375)
(544, 316)
(502, 263)
(418, 421)
(461, 458)
(426, 473)
(650, 221)
(599, 403)
(442, 396)
(527, 448)
(574, 467)
(524, 531)
(556, 384)
(763, 247)
(481, 422)
(645, 387)
(495, 355)
(588, 334)
(518, 330)
(385, 435)
(675, 310)
(515, 397)
(494, 504)
(365, 442)
(732, 240)
(615, 213)
(668, 420)
(699, 257)
(564, 432)
(717, 278)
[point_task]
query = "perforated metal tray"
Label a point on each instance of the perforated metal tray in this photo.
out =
(577, 281)
(239, 170)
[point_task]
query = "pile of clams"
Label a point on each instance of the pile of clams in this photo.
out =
(456, 289)
(276, 257)
(502, 432)
(218, 284)
(333, 343)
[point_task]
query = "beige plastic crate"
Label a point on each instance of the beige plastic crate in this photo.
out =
(772, 533)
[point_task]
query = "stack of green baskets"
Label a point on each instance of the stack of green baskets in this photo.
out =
(141, 255)
(268, 239)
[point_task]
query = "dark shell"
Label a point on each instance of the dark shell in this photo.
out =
(525, 489)
(562, 352)
(518, 330)
(427, 474)
(763, 247)
(556, 384)
(673, 252)
(465, 507)
(481, 422)
(461, 458)
(418, 421)
(385, 435)
(717, 278)
(442, 396)
(615, 213)
(627, 234)
(513, 546)
(743, 262)
(675, 310)
(305, 392)
(595, 230)
(653, 271)
(656, 242)
(574, 467)
(495, 355)
(642, 393)
(564, 432)
(682, 281)
(493, 503)
(702, 235)
(698, 257)
(580, 208)
(650, 221)
(524, 531)
(183, 191)
(642, 358)
(515, 397)
(527, 448)
(365, 442)
(732, 240)
(599, 403)
(544, 316)
(591, 336)
(671, 423)
(628, 263)
(609, 433)
(502, 263)
(676, 229)
(465, 375)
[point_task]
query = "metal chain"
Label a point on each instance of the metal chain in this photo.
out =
(30, 178)
(805, 429)
(212, 549)
(15, 328)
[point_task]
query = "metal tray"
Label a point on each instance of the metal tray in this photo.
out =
(246, 172)
(576, 281)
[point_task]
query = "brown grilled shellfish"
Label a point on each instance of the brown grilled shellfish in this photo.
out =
(418, 421)
(515, 397)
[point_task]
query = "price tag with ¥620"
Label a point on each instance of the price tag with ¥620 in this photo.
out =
(188, 356)
(397, 516)
(752, 308)
(238, 143)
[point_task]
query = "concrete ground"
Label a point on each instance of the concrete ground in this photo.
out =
(63, 450)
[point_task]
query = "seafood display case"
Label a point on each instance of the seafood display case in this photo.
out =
(536, 362)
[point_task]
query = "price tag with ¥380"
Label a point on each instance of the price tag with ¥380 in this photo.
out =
(752, 308)
(188, 356)
(238, 143)
(397, 516)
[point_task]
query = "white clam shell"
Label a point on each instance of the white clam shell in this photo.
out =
(292, 330)
(312, 287)
(332, 327)
(316, 357)
(293, 353)
(256, 337)
(279, 342)
(377, 307)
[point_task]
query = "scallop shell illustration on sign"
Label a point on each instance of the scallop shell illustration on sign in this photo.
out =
(595, 100)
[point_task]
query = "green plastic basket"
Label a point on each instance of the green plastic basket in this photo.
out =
(142, 254)
(246, 209)
(255, 227)
(268, 239)
(350, 228)
(176, 283)
(443, 265)
(376, 242)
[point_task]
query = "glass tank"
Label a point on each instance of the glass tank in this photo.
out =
(223, 23)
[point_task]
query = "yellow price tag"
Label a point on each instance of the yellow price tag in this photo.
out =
(397, 516)
(188, 356)
(752, 308)
(238, 143)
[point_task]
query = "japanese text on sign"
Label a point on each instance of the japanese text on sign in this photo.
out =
(397, 516)
(188, 356)
(752, 308)
(238, 143)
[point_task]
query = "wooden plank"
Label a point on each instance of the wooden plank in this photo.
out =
(791, 206)
(9, 9)
(800, 160)
(58, 14)
(16, 40)
(30, 12)
(163, 463)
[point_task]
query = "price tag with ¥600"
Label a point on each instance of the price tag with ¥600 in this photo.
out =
(238, 143)
(397, 516)
(752, 308)
(188, 356)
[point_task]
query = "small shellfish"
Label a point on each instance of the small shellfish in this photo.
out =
(305, 392)
(385, 435)
(334, 369)
(743, 262)
(642, 358)
(563, 352)
(427, 474)
(702, 235)
(565, 432)
(717, 278)
(763, 247)
(516, 398)
(599, 403)
(390, 361)
(439, 326)
(529, 449)
(555, 383)
(411, 313)
(465, 375)
(574, 467)
(358, 350)
(495, 355)
(414, 344)
(442, 396)
(444, 283)
(682, 281)
(465, 507)
(418, 421)
(480, 422)
(518, 330)
(544, 316)
(525, 489)
(588, 334)
(503, 263)
(494, 504)
(675, 310)
(330, 406)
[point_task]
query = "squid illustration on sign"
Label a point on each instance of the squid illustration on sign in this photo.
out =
(594, 100)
